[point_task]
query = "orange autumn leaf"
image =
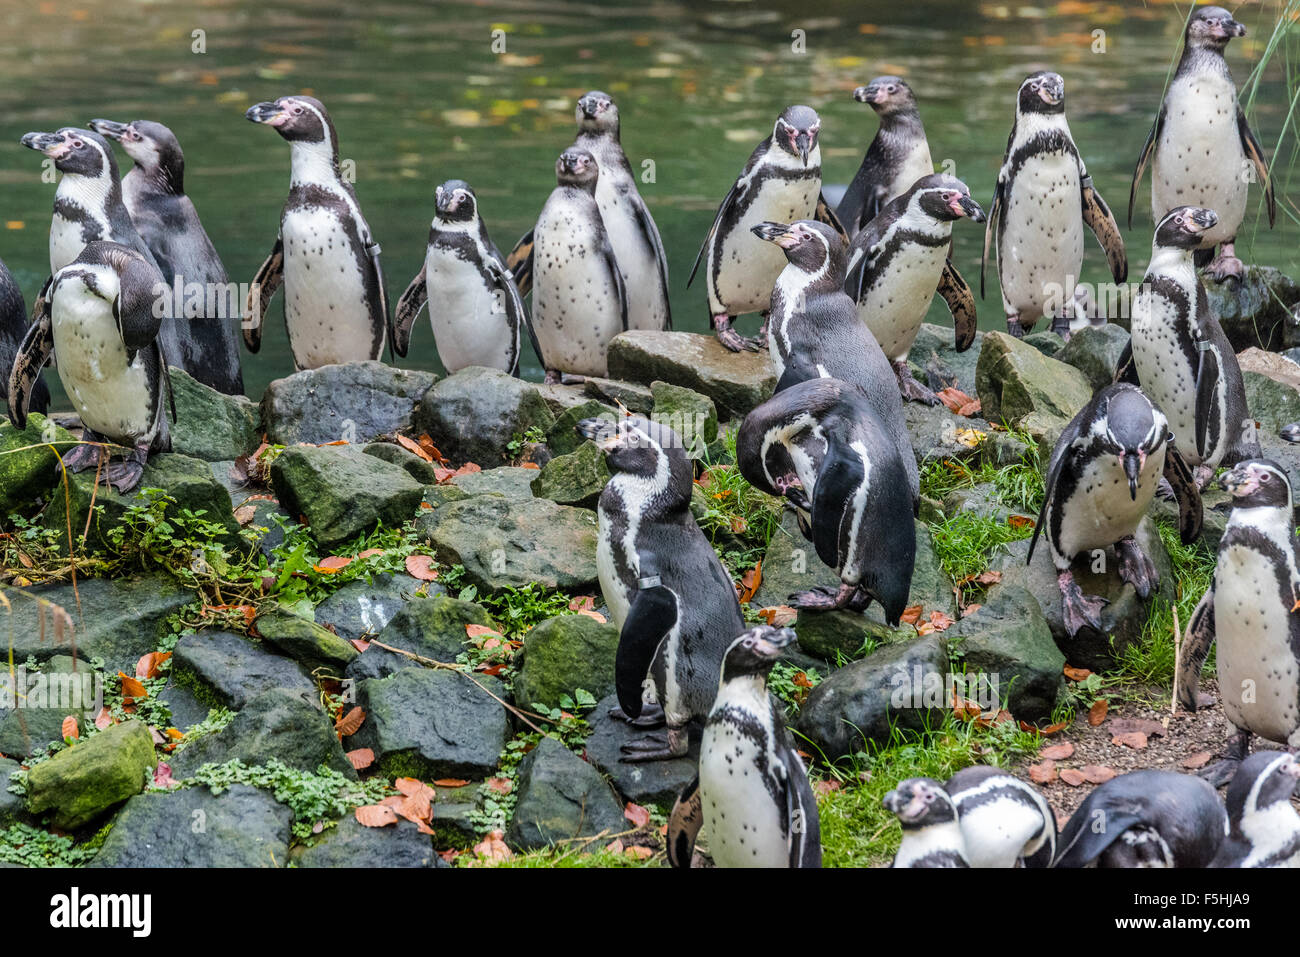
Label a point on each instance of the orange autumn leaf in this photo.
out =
(360, 644)
(780, 616)
(911, 615)
(369, 553)
(414, 448)
(530, 465)
(131, 687)
(1043, 773)
(421, 567)
(361, 758)
(350, 722)
(638, 815)
(481, 631)
(954, 398)
(450, 782)
(1057, 752)
(1196, 761)
(1097, 774)
(376, 815)
(1130, 739)
(592, 614)
(583, 603)
(426, 443)
(1076, 674)
(749, 583)
(639, 852)
(1097, 713)
(103, 719)
(69, 728)
(1020, 522)
(971, 409)
(500, 785)
(493, 847)
(1073, 777)
(147, 666)
(940, 621)
(335, 442)
(333, 563)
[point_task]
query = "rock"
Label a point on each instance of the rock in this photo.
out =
(1046, 342)
(343, 492)
(563, 654)
(453, 822)
(431, 724)
(209, 424)
(32, 719)
(366, 607)
(983, 500)
(934, 350)
(185, 707)
(78, 784)
(513, 483)
(1095, 351)
(1258, 311)
(305, 641)
(693, 416)
(563, 438)
(27, 475)
(423, 472)
(223, 669)
(355, 401)
(651, 782)
(1014, 379)
(900, 685)
(635, 398)
(736, 382)
(12, 806)
(937, 433)
(1272, 389)
(192, 827)
(352, 844)
(560, 797)
(560, 397)
(429, 627)
(574, 479)
(475, 414)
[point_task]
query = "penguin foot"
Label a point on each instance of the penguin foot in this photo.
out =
(552, 377)
(1014, 328)
(1061, 326)
(656, 747)
(567, 379)
(1203, 475)
(83, 457)
(1135, 567)
(730, 338)
(822, 598)
(126, 474)
(860, 601)
(1226, 265)
(912, 390)
(1220, 772)
(1077, 608)
(651, 716)
(1164, 491)
(1291, 432)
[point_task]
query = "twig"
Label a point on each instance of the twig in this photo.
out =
(1178, 649)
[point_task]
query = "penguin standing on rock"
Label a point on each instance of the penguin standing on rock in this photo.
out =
(1202, 144)
(899, 260)
(154, 193)
(13, 326)
(1043, 198)
(781, 182)
(932, 835)
(1004, 821)
(1102, 476)
(1264, 826)
(335, 304)
(752, 794)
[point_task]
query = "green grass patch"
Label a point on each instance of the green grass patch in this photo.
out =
(965, 542)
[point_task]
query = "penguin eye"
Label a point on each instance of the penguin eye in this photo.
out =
(1265, 477)
(892, 88)
(77, 144)
(297, 111)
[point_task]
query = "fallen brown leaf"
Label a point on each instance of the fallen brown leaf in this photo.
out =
(1057, 752)
(376, 815)
(500, 785)
(1073, 777)
(493, 847)
(131, 687)
(910, 616)
(1076, 674)
(1148, 726)
(1097, 774)
(414, 448)
(1097, 713)
(361, 758)
(147, 666)
(1043, 773)
(780, 616)
(1195, 761)
(69, 728)
(450, 783)
(638, 815)
(350, 722)
(421, 567)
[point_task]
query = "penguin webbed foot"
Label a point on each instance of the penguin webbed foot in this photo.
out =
(822, 598)
(1203, 475)
(552, 377)
(82, 457)
(1226, 265)
(651, 716)
(568, 379)
(656, 747)
(1077, 608)
(126, 474)
(911, 389)
(1015, 329)
(1221, 771)
(730, 338)
(1135, 567)
(1165, 491)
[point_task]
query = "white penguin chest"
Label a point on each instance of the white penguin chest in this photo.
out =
(1101, 510)
(896, 303)
(996, 833)
(916, 164)
(1040, 248)
(1162, 367)
(68, 237)
(746, 267)
(1199, 160)
(1273, 832)
(943, 841)
(470, 324)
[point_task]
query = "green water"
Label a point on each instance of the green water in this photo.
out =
(419, 96)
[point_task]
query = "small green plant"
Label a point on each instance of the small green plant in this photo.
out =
(965, 542)
(738, 519)
(33, 847)
(791, 684)
(215, 722)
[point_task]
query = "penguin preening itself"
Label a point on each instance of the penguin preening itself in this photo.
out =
(899, 260)
(898, 156)
(820, 444)
(474, 306)
(335, 304)
(932, 835)
(664, 585)
(752, 793)
(1264, 828)
(96, 317)
(13, 326)
(1102, 476)
(1180, 355)
(1004, 821)
(153, 191)
(1249, 610)
(1202, 144)
(1044, 196)
(782, 182)
(1145, 819)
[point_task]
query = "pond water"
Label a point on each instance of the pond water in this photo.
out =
(418, 95)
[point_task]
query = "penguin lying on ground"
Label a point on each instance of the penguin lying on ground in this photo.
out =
(13, 326)
(153, 191)
(474, 307)
(1145, 819)
(96, 317)
(1250, 611)
(1103, 473)
(664, 585)
(1043, 199)
(752, 793)
(932, 835)
(1004, 821)
(897, 262)
(1203, 145)
(1264, 826)
(335, 304)
(821, 445)
(898, 156)
(782, 181)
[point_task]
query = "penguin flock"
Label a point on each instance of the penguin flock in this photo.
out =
(842, 291)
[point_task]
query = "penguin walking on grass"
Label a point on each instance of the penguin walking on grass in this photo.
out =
(13, 326)
(153, 191)
(899, 260)
(1249, 610)
(1202, 146)
(1102, 476)
(335, 304)
(782, 182)
(1264, 828)
(752, 794)
(1043, 199)
(1004, 821)
(932, 835)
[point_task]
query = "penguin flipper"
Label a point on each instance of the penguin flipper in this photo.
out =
(805, 834)
(1060, 452)
(33, 353)
(268, 279)
(516, 314)
(408, 309)
(1088, 833)
(1102, 223)
(651, 616)
(651, 233)
(1207, 395)
(684, 825)
(1196, 647)
(1126, 368)
(1138, 170)
(133, 307)
(1256, 155)
(961, 303)
(727, 203)
(1179, 475)
(824, 214)
(373, 250)
(838, 480)
(994, 209)
(520, 263)
(620, 288)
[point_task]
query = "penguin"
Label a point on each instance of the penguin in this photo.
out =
(1249, 610)
(335, 304)
(13, 326)
(1180, 355)
(752, 793)
(932, 835)
(1145, 819)
(96, 317)
(1043, 198)
(816, 332)
(1101, 478)
(1264, 828)
(674, 603)
(474, 306)
(899, 260)
(1203, 146)
(821, 445)
(898, 156)
(782, 181)
(153, 191)
(1004, 821)
(579, 300)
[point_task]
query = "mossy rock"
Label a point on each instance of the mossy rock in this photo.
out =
(305, 641)
(562, 438)
(563, 654)
(211, 425)
(423, 472)
(694, 417)
(574, 479)
(82, 782)
(1014, 379)
(29, 474)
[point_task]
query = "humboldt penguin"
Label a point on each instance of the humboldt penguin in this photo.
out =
(474, 306)
(782, 181)
(1004, 821)
(1264, 828)
(13, 326)
(1202, 144)
(1044, 196)
(335, 304)
(664, 585)
(1249, 611)
(899, 260)
(1102, 475)
(751, 794)
(820, 444)
(898, 156)
(1180, 355)
(153, 191)
(96, 318)
(932, 835)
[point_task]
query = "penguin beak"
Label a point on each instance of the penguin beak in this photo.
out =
(1229, 28)
(1052, 92)
(1133, 462)
(803, 143)
(108, 128)
(52, 145)
(1204, 219)
(774, 643)
(907, 805)
(264, 113)
(1239, 481)
(777, 233)
(965, 206)
(602, 431)
(868, 94)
